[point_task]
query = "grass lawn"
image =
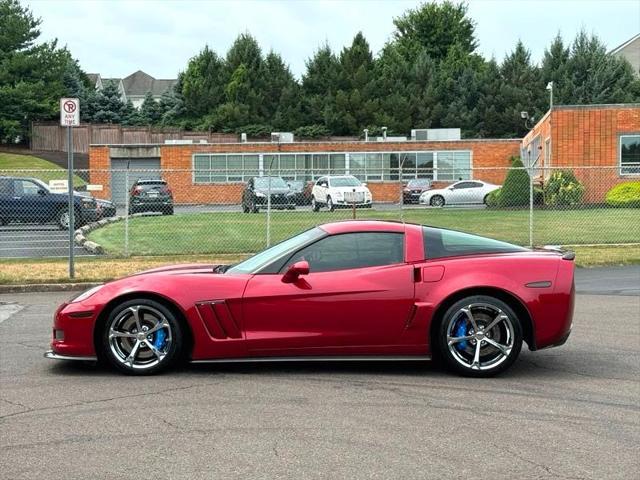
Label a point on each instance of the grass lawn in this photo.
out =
(101, 269)
(224, 233)
(49, 171)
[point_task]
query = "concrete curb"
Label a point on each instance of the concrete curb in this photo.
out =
(47, 287)
(93, 247)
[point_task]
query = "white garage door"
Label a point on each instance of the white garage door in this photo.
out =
(138, 168)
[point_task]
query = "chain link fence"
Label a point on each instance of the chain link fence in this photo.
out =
(237, 212)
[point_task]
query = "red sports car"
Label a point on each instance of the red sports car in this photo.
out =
(356, 290)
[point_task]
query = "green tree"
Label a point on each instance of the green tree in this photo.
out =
(31, 74)
(435, 28)
(107, 106)
(319, 85)
(150, 110)
(522, 90)
(203, 84)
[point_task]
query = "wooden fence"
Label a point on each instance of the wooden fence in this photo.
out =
(53, 137)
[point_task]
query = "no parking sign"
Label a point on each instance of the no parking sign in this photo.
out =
(69, 112)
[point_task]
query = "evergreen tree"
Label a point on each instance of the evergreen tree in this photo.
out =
(319, 85)
(435, 28)
(31, 74)
(203, 84)
(150, 110)
(108, 106)
(555, 69)
(522, 90)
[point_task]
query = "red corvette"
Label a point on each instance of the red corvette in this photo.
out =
(357, 290)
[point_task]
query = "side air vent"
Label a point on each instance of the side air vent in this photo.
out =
(218, 320)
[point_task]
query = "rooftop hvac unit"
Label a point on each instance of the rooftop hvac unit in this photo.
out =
(434, 134)
(282, 137)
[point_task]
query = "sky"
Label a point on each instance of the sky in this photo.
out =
(117, 37)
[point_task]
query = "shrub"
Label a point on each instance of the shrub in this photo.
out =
(515, 190)
(626, 194)
(312, 131)
(563, 189)
(493, 199)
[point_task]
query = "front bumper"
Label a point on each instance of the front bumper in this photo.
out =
(72, 333)
(343, 204)
(56, 356)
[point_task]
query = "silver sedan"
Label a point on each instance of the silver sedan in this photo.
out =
(460, 193)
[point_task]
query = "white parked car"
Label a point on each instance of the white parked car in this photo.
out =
(460, 193)
(339, 191)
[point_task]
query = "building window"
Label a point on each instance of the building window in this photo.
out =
(373, 166)
(629, 154)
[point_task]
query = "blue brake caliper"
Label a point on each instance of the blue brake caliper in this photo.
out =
(460, 330)
(159, 339)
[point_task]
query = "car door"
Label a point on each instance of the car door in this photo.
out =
(475, 193)
(356, 299)
(460, 193)
(321, 190)
(29, 201)
(7, 212)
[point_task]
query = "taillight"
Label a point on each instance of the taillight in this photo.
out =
(136, 191)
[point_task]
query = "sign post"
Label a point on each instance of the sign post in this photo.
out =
(70, 117)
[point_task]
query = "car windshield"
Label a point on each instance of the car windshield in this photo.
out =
(264, 258)
(345, 182)
(296, 185)
(276, 182)
(419, 182)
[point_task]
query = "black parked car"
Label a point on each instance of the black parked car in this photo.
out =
(151, 195)
(29, 200)
(300, 191)
(105, 208)
(414, 188)
(254, 196)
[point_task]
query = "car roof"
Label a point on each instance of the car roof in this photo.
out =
(151, 180)
(362, 226)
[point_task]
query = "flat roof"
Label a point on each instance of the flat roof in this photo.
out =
(325, 142)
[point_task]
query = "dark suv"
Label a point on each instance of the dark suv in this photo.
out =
(151, 195)
(28, 200)
(255, 194)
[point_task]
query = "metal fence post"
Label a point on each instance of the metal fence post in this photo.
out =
(530, 206)
(72, 222)
(401, 193)
(126, 213)
(269, 204)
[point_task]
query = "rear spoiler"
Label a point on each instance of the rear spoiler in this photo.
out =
(566, 254)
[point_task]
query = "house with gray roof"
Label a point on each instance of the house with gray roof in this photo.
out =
(135, 87)
(631, 51)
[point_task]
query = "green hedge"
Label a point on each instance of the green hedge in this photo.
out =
(624, 195)
(515, 190)
(563, 189)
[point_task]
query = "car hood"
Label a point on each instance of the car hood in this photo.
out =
(273, 190)
(350, 189)
(181, 269)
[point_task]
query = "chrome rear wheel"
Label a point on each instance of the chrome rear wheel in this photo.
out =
(480, 336)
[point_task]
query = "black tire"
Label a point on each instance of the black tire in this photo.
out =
(245, 209)
(314, 205)
(149, 311)
(64, 224)
(254, 207)
(291, 207)
(2, 222)
(461, 355)
(330, 206)
(437, 201)
(484, 200)
(167, 211)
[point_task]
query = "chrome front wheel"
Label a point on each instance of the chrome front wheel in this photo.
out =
(141, 337)
(480, 336)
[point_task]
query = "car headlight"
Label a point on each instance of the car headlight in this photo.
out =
(260, 194)
(86, 294)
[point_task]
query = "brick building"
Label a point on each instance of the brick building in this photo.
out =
(216, 172)
(585, 137)
(581, 137)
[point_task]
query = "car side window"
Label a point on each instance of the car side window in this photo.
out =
(6, 187)
(464, 185)
(351, 250)
(25, 187)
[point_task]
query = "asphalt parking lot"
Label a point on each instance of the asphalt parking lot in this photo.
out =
(33, 241)
(569, 412)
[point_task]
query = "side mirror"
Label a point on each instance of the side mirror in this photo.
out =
(295, 270)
